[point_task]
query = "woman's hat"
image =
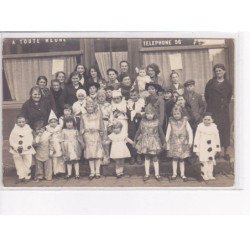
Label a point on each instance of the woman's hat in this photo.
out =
(155, 85)
(168, 90)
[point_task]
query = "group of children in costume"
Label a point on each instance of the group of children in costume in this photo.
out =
(104, 125)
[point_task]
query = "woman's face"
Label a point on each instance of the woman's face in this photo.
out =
(93, 73)
(112, 76)
(219, 72)
(75, 80)
(36, 96)
(126, 81)
(56, 86)
(42, 83)
(124, 67)
(151, 72)
(177, 115)
(101, 98)
(92, 90)
(152, 90)
(181, 101)
(80, 69)
(175, 78)
(61, 77)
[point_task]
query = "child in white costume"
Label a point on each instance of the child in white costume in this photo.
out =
(119, 108)
(79, 107)
(56, 157)
(206, 145)
(21, 140)
(141, 80)
(119, 150)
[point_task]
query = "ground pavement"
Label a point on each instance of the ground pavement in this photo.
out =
(224, 173)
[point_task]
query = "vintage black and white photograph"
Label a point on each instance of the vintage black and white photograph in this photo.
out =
(149, 112)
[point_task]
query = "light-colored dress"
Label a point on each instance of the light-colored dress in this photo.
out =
(179, 136)
(91, 127)
(207, 142)
(150, 137)
(79, 108)
(71, 144)
(119, 149)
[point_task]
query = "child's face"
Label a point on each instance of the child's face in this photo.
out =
(42, 83)
(151, 90)
(75, 80)
(190, 88)
(109, 93)
(134, 96)
(61, 77)
(167, 95)
(67, 112)
(117, 130)
(126, 81)
(112, 76)
(177, 115)
(56, 86)
(92, 90)
(80, 69)
(150, 116)
(181, 101)
(90, 109)
(93, 73)
(80, 97)
(207, 120)
(101, 98)
(69, 125)
(21, 122)
(117, 99)
(53, 123)
(142, 72)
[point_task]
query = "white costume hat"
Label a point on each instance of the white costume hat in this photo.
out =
(116, 93)
(81, 91)
(52, 115)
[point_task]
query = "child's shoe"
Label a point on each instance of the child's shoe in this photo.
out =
(67, 177)
(146, 177)
(19, 181)
(174, 177)
(77, 177)
(119, 175)
(91, 176)
(97, 176)
(184, 178)
(158, 177)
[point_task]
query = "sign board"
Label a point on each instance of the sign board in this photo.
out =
(165, 42)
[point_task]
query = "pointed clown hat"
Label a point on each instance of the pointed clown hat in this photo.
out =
(52, 115)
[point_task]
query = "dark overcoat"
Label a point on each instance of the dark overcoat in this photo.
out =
(218, 97)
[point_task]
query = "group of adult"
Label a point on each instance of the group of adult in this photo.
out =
(218, 92)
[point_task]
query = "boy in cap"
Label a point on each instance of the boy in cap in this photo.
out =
(195, 102)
